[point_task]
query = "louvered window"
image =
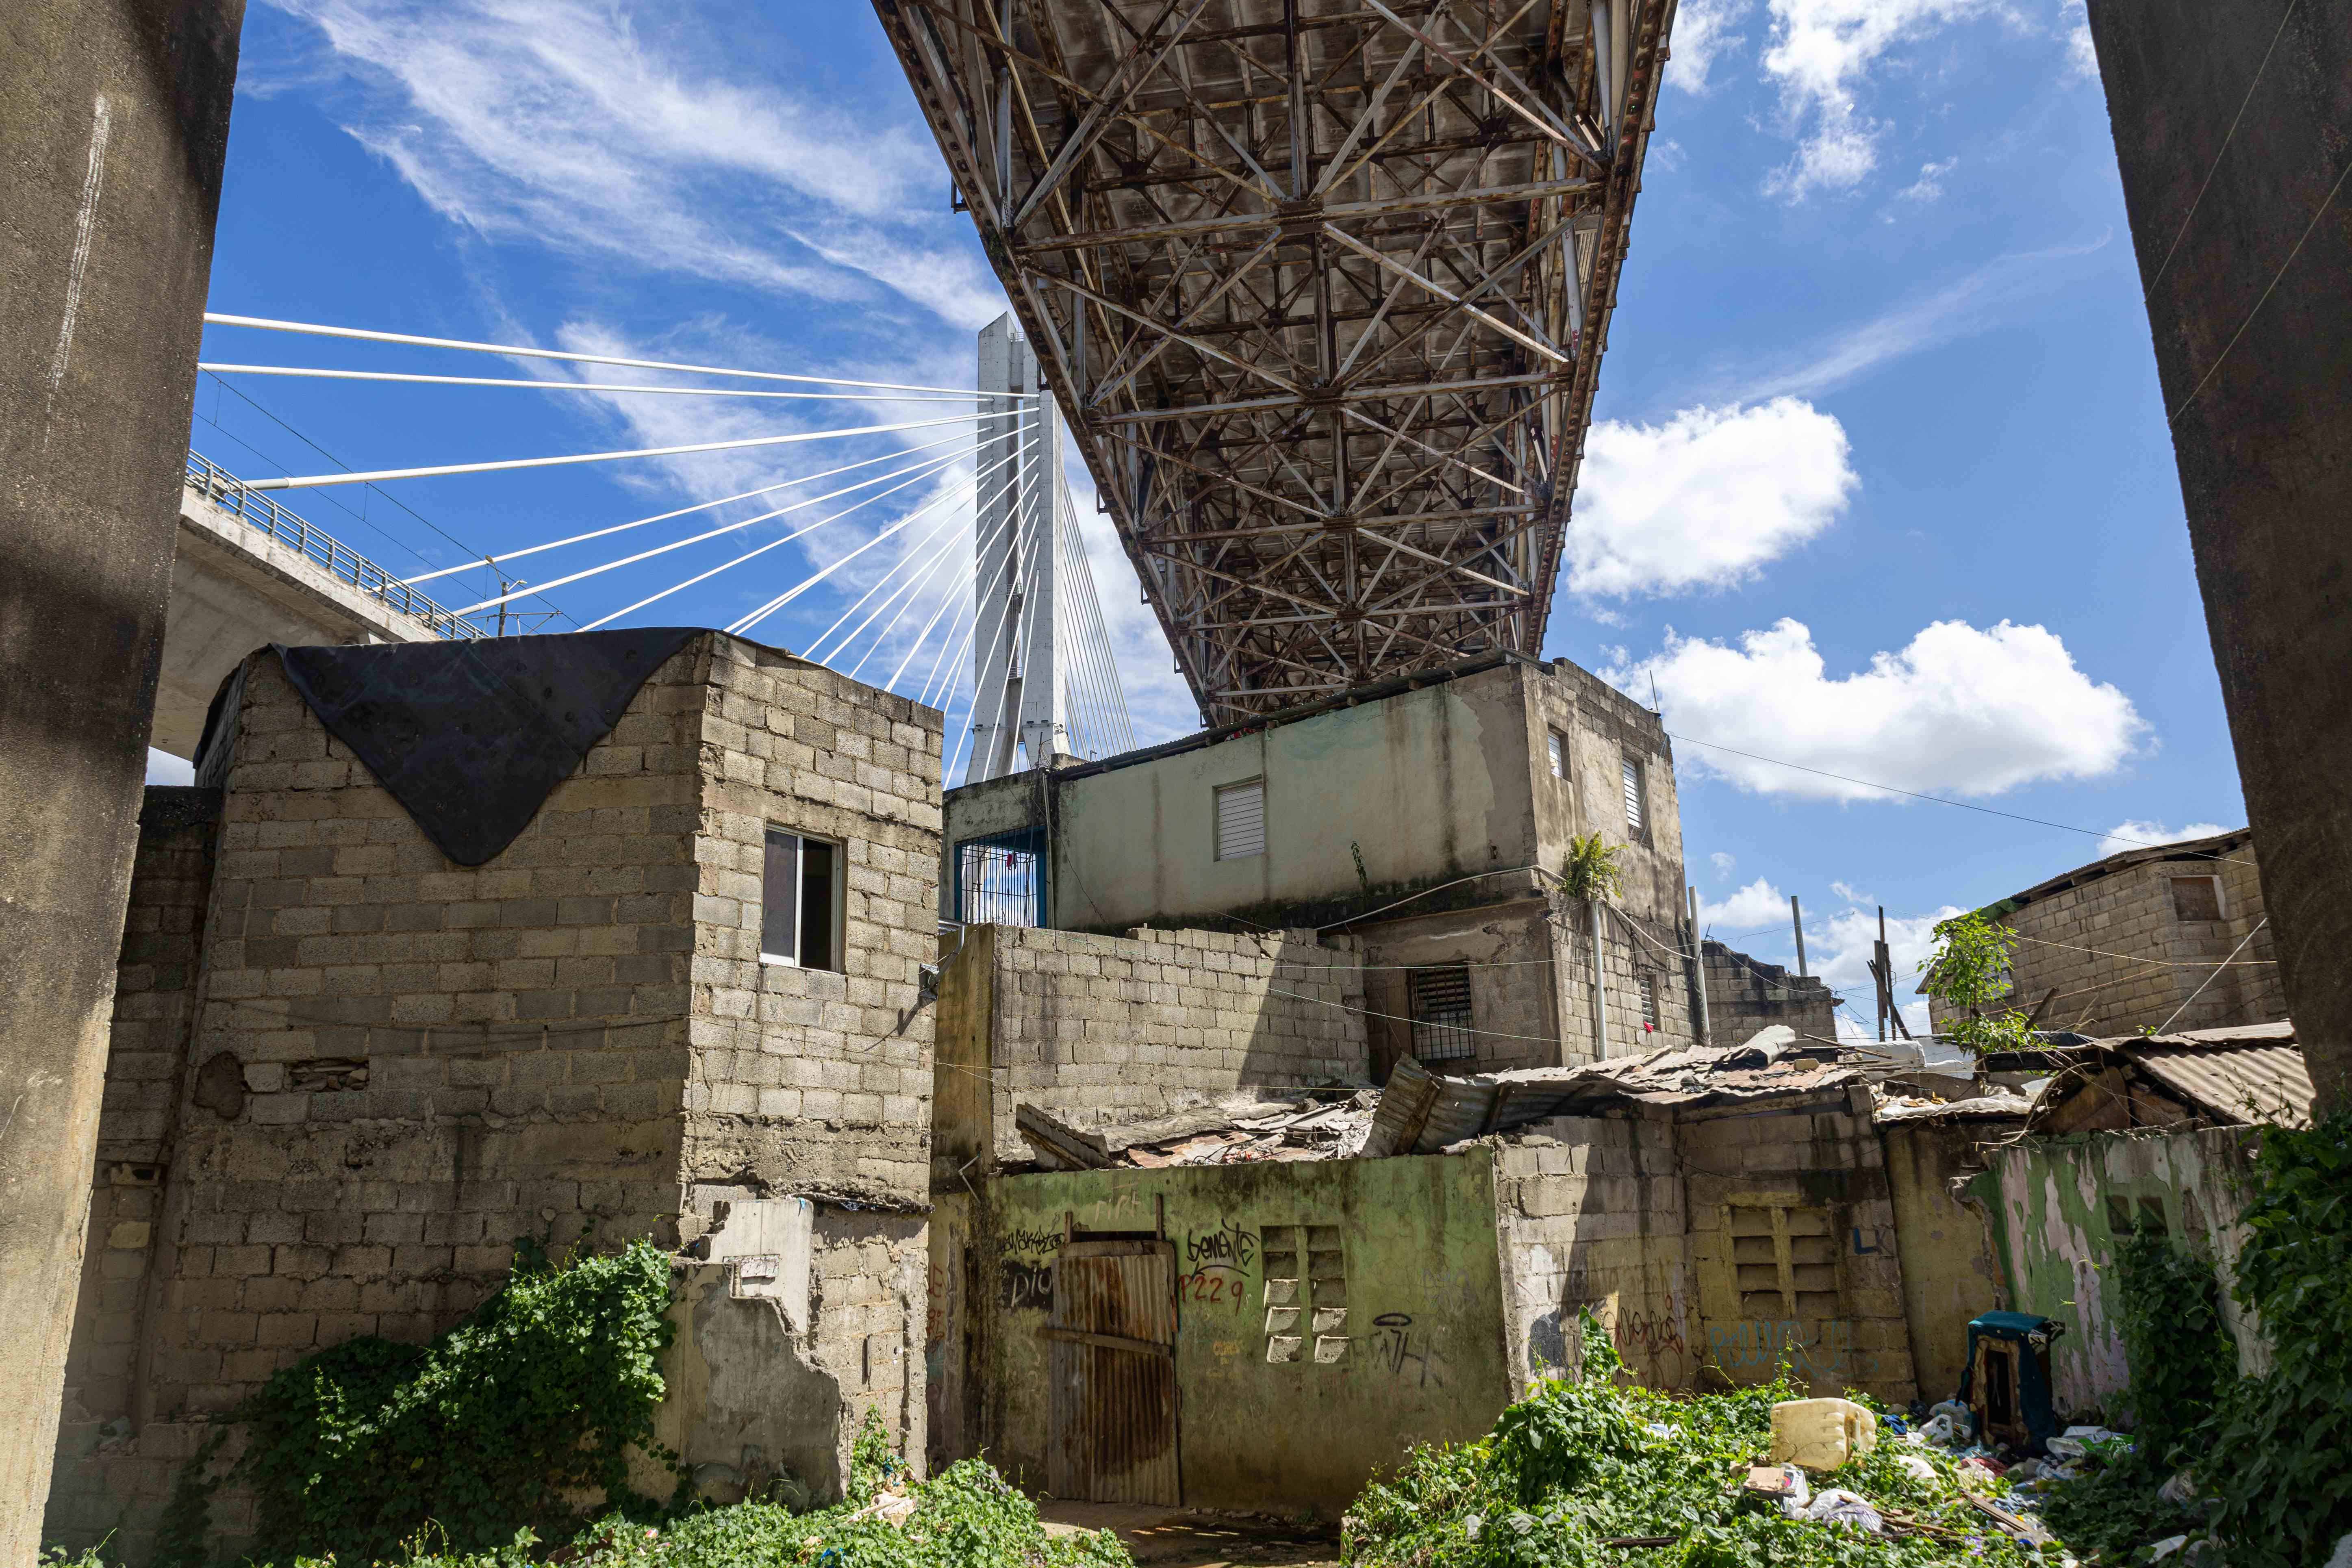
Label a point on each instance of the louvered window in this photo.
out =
(1557, 746)
(1650, 999)
(1634, 802)
(1439, 1001)
(1241, 820)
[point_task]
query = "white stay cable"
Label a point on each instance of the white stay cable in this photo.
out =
(958, 670)
(745, 623)
(930, 467)
(907, 596)
(703, 505)
(1113, 691)
(1024, 635)
(324, 375)
(312, 481)
(947, 602)
(313, 329)
(913, 561)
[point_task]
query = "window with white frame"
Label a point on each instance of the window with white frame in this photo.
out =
(800, 909)
(1241, 820)
(1636, 797)
(1556, 749)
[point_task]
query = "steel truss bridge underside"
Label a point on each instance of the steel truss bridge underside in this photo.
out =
(1322, 287)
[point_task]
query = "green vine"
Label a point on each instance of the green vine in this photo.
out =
(2281, 1445)
(2180, 1353)
(542, 1389)
(186, 1522)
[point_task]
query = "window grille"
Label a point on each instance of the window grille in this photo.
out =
(1001, 879)
(1634, 799)
(1556, 747)
(798, 911)
(1241, 820)
(1439, 1001)
(1650, 999)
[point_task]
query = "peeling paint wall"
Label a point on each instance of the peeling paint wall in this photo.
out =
(1951, 1272)
(2066, 1202)
(1418, 1357)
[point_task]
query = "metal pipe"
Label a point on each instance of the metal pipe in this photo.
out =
(1796, 919)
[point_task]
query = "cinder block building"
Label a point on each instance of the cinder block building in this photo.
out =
(584, 938)
(1744, 994)
(2130, 942)
(1428, 817)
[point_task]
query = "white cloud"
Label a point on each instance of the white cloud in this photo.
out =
(1845, 891)
(1957, 709)
(1929, 185)
(1704, 33)
(1706, 498)
(1820, 54)
(1723, 863)
(163, 768)
(2082, 56)
(566, 125)
(1757, 904)
(2138, 835)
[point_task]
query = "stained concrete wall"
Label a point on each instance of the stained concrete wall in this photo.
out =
(1098, 1030)
(1820, 1283)
(2238, 221)
(398, 1065)
(1951, 1265)
(116, 125)
(1590, 1217)
(1419, 1356)
(2066, 1203)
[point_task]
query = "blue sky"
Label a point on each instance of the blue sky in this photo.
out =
(1881, 484)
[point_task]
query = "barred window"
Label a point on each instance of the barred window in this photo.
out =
(1001, 879)
(1439, 1001)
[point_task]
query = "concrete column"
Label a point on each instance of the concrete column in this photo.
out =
(1018, 696)
(115, 122)
(2234, 135)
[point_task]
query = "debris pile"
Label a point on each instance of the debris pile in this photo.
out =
(1588, 1471)
(1317, 1124)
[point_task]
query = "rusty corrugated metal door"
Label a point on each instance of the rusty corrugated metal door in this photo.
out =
(1111, 1361)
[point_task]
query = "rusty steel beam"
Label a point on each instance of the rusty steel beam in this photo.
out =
(1322, 286)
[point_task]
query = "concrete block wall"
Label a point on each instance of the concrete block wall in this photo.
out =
(397, 1065)
(1098, 1030)
(1737, 1006)
(2149, 962)
(154, 1003)
(1590, 1216)
(1824, 1166)
(820, 1080)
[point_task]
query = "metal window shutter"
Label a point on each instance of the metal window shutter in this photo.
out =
(1632, 793)
(1241, 821)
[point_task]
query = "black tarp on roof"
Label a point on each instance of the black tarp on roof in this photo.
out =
(470, 737)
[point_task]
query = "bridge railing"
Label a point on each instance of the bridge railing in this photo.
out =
(338, 559)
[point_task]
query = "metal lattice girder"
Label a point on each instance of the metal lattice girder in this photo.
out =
(1321, 286)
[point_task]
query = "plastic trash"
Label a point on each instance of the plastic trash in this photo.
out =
(2075, 1441)
(1800, 1495)
(2181, 1490)
(2342, 1556)
(1962, 1420)
(1919, 1470)
(2023, 1470)
(1471, 1525)
(2167, 1547)
(1822, 1434)
(1838, 1506)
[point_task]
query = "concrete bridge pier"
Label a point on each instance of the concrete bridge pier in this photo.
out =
(116, 124)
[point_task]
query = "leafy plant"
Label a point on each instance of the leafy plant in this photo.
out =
(1591, 870)
(540, 1390)
(1967, 973)
(2180, 1353)
(186, 1522)
(2281, 1471)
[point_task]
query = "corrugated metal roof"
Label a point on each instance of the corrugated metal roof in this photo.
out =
(2249, 1083)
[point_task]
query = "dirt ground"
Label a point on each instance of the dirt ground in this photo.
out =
(1199, 1538)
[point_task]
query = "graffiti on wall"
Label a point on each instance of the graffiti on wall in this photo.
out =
(1409, 1355)
(1019, 1240)
(1230, 1246)
(1824, 1353)
(1025, 1287)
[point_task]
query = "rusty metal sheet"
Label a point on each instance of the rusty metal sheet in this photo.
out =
(2257, 1084)
(1112, 1394)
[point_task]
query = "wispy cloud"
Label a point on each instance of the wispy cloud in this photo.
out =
(1988, 296)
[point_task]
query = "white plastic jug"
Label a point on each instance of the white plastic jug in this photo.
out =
(1822, 1434)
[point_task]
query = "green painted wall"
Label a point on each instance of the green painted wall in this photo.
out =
(2059, 1201)
(1423, 1354)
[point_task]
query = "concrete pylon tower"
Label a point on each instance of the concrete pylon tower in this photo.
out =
(1018, 705)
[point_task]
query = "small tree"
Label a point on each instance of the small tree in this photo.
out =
(1969, 971)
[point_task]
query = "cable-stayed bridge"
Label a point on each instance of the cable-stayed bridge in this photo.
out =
(1321, 287)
